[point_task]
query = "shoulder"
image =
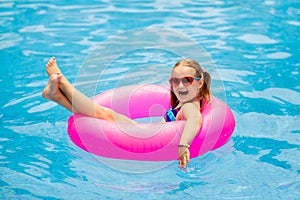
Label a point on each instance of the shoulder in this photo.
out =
(190, 109)
(190, 105)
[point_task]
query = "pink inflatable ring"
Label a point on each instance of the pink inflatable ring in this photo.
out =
(155, 141)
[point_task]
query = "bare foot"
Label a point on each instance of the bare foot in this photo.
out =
(51, 67)
(51, 90)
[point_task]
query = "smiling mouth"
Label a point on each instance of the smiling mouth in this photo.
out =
(183, 93)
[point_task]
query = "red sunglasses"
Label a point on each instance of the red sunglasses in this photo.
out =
(186, 81)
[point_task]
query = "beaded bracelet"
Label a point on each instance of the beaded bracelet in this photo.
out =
(184, 145)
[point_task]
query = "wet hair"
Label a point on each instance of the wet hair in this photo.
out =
(204, 92)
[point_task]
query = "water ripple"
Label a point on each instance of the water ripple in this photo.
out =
(9, 40)
(279, 95)
(257, 39)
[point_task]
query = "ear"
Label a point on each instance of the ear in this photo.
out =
(200, 84)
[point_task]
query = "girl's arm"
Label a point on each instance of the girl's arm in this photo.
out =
(192, 126)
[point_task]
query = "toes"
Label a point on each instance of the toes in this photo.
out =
(52, 60)
(51, 67)
(48, 64)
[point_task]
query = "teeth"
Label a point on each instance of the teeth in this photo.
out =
(182, 93)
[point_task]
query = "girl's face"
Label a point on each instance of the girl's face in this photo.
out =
(183, 85)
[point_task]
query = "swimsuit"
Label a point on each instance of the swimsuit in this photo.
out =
(171, 114)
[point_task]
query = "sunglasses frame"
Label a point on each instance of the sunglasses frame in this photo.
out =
(190, 80)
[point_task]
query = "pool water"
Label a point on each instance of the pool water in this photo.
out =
(251, 48)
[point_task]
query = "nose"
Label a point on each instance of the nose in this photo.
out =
(181, 85)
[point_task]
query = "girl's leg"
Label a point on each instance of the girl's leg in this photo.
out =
(81, 103)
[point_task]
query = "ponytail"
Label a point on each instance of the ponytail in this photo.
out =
(205, 93)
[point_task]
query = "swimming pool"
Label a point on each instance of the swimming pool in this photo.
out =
(254, 52)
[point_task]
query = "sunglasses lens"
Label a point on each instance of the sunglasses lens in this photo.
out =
(174, 81)
(187, 81)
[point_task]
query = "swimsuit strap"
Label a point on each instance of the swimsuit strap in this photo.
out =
(171, 114)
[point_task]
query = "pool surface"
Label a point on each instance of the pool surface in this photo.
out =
(251, 49)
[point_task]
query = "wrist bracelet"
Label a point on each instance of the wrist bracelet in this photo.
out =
(184, 145)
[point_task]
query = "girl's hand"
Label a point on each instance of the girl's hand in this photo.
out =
(184, 156)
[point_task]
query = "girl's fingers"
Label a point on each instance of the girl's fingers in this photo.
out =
(188, 157)
(182, 163)
(184, 159)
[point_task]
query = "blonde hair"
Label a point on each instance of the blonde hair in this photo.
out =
(204, 92)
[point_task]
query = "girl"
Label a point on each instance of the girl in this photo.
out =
(189, 94)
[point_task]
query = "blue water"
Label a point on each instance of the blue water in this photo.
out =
(252, 49)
